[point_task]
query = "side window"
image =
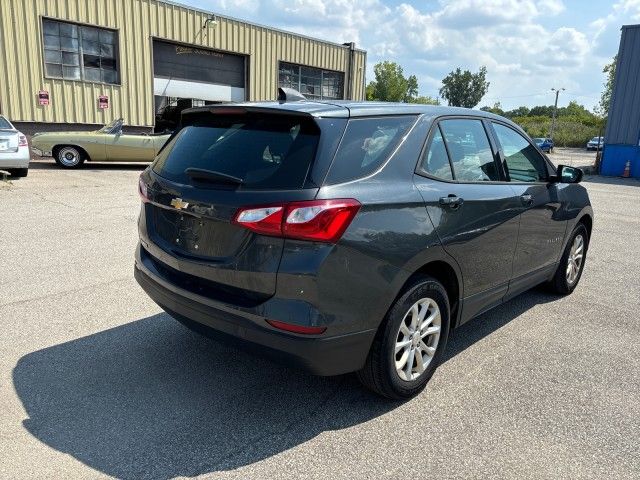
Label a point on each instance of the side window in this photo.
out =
(366, 145)
(470, 151)
(436, 161)
(522, 161)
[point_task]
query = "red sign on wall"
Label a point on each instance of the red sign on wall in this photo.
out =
(103, 101)
(43, 97)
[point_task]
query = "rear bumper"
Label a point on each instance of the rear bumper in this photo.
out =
(318, 355)
(19, 159)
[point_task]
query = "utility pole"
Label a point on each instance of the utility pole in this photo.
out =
(555, 109)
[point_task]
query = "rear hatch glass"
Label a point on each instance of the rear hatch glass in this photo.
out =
(250, 150)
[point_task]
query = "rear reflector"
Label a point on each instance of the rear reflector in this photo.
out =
(315, 220)
(296, 328)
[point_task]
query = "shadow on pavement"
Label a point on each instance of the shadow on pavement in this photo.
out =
(150, 399)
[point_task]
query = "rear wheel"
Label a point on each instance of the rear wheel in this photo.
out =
(571, 264)
(410, 343)
(19, 172)
(69, 157)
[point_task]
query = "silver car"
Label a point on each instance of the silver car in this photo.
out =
(14, 150)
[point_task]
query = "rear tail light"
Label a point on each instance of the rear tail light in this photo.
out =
(289, 327)
(316, 220)
(143, 191)
(22, 141)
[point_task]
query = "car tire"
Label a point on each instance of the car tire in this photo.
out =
(68, 156)
(384, 372)
(19, 172)
(565, 281)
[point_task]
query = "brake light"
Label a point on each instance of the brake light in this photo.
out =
(289, 327)
(143, 190)
(316, 220)
(266, 220)
(22, 141)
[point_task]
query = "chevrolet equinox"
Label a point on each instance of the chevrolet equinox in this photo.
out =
(353, 236)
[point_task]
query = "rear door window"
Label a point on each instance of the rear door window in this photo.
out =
(366, 145)
(264, 151)
(469, 150)
(436, 160)
(522, 161)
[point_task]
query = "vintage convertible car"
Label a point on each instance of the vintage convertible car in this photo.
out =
(110, 144)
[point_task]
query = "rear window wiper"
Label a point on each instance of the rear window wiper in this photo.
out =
(212, 176)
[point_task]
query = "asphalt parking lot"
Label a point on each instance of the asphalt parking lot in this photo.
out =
(95, 381)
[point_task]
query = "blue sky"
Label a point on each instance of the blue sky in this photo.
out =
(528, 46)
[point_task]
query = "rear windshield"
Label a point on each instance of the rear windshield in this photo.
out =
(4, 123)
(265, 151)
(366, 145)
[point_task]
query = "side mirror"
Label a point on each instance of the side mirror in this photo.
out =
(568, 174)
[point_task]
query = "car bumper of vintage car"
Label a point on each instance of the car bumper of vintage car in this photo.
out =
(318, 355)
(41, 153)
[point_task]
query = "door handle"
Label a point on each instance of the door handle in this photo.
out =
(526, 199)
(452, 201)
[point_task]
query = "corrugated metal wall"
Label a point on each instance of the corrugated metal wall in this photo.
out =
(623, 124)
(138, 21)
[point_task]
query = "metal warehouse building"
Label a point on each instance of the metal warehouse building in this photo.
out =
(80, 63)
(622, 136)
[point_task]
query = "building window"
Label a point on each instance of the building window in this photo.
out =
(78, 52)
(313, 83)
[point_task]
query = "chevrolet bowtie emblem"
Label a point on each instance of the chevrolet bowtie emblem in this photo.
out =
(178, 204)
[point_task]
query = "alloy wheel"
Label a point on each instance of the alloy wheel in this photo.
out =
(417, 339)
(576, 255)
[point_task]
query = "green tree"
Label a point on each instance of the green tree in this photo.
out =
(425, 100)
(497, 109)
(464, 89)
(517, 112)
(391, 85)
(605, 98)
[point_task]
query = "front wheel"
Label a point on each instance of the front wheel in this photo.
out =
(571, 264)
(69, 157)
(410, 343)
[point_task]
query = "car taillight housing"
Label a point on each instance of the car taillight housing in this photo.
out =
(22, 141)
(143, 190)
(315, 220)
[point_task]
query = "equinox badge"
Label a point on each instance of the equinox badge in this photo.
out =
(178, 204)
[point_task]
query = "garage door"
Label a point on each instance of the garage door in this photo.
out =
(189, 72)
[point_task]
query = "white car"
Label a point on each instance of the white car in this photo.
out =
(14, 150)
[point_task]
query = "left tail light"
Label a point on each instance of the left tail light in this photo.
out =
(315, 220)
(22, 141)
(143, 190)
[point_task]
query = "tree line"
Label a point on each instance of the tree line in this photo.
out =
(575, 124)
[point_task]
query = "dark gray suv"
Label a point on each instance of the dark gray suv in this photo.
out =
(352, 237)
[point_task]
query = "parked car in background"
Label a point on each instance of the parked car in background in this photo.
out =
(595, 143)
(109, 144)
(14, 150)
(353, 237)
(545, 144)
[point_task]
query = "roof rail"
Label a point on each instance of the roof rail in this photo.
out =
(289, 95)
